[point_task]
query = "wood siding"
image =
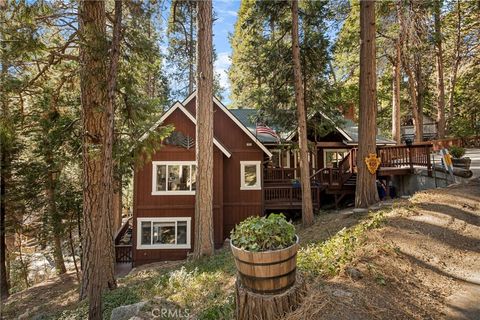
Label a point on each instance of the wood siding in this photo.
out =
(231, 205)
(238, 204)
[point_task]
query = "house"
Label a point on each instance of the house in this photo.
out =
(253, 173)
(430, 129)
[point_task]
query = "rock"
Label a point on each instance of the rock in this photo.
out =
(354, 273)
(341, 293)
(127, 312)
(360, 210)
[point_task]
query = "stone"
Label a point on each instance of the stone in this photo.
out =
(354, 273)
(341, 293)
(127, 312)
(360, 210)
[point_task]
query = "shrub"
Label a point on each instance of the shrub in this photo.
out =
(263, 234)
(457, 152)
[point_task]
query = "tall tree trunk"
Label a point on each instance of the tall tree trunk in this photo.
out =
(4, 285)
(366, 190)
(307, 207)
(54, 216)
(191, 69)
(97, 88)
(204, 133)
(418, 116)
(4, 179)
(456, 64)
(117, 205)
(439, 64)
(396, 114)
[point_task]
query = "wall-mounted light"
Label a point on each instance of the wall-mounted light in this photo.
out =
(249, 144)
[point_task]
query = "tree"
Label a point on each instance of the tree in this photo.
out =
(396, 80)
(307, 208)
(97, 118)
(181, 33)
(366, 190)
(204, 133)
(439, 64)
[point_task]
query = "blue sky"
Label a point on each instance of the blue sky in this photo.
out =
(226, 14)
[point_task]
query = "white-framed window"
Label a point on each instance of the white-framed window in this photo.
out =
(333, 157)
(164, 233)
(250, 176)
(174, 177)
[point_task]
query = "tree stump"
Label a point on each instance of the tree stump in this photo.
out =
(255, 306)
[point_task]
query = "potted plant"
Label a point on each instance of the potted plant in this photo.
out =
(265, 252)
(458, 159)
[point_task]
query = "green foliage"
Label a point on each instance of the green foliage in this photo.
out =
(261, 73)
(263, 234)
(329, 257)
(456, 152)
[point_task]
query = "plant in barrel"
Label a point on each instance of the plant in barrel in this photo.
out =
(265, 251)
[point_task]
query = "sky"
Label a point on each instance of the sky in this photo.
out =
(226, 14)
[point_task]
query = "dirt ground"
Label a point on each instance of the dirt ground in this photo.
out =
(424, 264)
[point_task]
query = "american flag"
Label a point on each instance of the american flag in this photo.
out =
(261, 128)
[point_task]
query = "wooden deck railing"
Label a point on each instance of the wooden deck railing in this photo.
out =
(289, 194)
(280, 174)
(406, 156)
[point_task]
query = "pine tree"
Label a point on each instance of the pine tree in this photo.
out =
(366, 190)
(204, 133)
(307, 207)
(98, 250)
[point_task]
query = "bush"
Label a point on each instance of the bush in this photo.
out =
(263, 234)
(456, 152)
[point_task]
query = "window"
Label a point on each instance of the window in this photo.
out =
(333, 157)
(163, 233)
(250, 175)
(280, 158)
(173, 178)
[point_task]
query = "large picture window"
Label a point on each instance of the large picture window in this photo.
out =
(250, 178)
(163, 233)
(174, 177)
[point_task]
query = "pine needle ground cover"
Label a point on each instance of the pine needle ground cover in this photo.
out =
(405, 261)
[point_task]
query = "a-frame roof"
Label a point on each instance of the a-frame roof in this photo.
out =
(180, 107)
(222, 107)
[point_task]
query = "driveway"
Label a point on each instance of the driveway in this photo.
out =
(474, 154)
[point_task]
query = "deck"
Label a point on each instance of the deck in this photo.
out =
(281, 192)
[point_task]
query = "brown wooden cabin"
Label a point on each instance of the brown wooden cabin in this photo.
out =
(253, 173)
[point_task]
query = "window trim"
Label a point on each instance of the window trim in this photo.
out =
(155, 165)
(163, 246)
(331, 150)
(258, 185)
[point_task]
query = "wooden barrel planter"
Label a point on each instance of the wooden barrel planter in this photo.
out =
(267, 272)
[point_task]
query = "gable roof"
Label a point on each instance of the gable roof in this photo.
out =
(179, 106)
(222, 107)
(349, 129)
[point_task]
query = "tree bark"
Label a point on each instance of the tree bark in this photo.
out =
(250, 305)
(439, 65)
(396, 113)
(54, 216)
(97, 114)
(4, 179)
(366, 190)
(204, 133)
(454, 72)
(418, 117)
(307, 207)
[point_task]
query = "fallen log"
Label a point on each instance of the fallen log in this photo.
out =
(459, 172)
